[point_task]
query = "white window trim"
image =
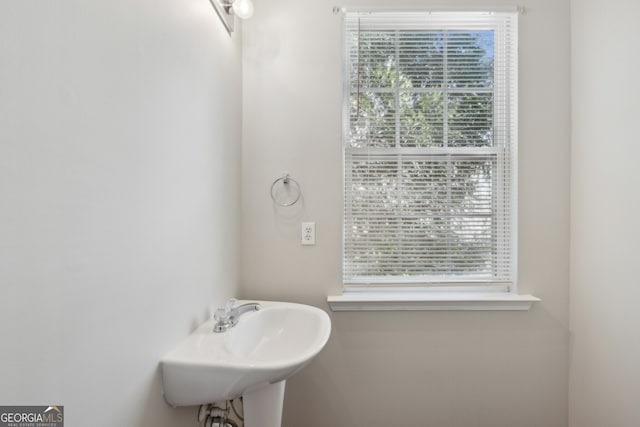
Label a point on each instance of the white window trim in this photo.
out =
(430, 300)
(448, 298)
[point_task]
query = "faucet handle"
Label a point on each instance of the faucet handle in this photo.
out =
(221, 315)
(230, 306)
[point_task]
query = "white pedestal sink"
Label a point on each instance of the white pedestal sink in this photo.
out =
(253, 359)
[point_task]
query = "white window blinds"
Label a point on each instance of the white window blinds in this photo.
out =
(429, 148)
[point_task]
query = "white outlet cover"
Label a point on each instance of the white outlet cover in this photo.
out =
(308, 233)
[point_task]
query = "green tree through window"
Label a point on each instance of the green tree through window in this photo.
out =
(423, 174)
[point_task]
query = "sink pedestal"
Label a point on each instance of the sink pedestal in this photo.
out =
(263, 406)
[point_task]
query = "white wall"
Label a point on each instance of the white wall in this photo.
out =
(445, 369)
(605, 201)
(120, 129)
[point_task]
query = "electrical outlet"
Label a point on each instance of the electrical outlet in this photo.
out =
(308, 233)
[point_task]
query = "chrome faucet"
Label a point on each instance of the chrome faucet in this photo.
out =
(227, 317)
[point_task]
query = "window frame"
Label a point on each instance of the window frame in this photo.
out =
(378, 288)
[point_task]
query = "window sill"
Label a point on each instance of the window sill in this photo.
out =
(382, 301)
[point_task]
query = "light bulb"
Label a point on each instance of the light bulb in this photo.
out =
(243, 9)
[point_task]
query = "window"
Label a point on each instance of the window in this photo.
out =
(430, 149)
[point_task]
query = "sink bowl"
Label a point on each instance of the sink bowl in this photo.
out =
(265, 348)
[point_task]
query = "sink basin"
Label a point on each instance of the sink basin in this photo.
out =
(264, 349)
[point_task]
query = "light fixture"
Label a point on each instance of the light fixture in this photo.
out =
(229, 9)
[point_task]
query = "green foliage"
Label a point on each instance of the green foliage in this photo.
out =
(421, 89)
(418, 76)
